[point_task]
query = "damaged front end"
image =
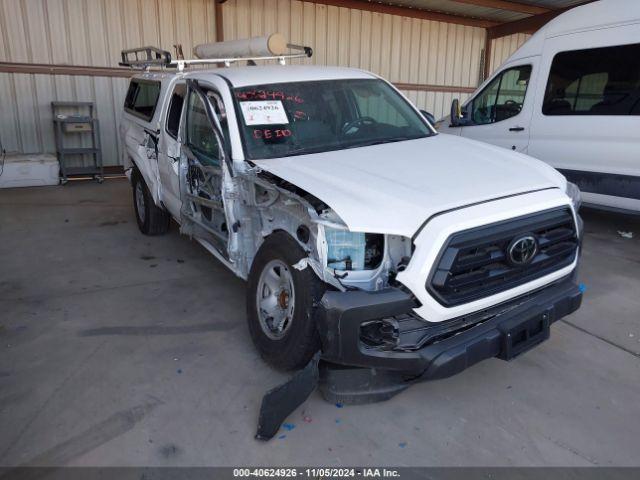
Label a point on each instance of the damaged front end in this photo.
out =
(374, 346)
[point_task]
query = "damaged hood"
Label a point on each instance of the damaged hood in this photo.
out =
(393, 188)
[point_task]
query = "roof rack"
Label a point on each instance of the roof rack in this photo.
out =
(147, 57)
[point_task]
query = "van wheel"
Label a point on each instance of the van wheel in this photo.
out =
(280, 303)
(152, 220)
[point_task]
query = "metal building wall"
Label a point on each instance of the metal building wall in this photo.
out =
(92, 32)
(503, 47)
(83, 32)
(401, 49)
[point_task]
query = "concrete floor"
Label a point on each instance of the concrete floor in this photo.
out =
(118, 349)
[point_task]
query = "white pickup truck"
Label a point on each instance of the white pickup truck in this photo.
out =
(362, 233)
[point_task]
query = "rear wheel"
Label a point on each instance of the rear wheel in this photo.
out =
(152, 220)
(280, 303)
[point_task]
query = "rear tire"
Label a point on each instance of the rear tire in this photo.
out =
(152, 220)
(290, 305)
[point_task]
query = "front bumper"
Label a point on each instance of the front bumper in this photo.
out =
(352, 371)
(432, 351)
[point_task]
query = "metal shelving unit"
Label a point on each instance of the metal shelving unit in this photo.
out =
(76, 124)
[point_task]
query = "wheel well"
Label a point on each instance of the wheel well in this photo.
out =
(265, 238)
(279, 231)
(290, 236)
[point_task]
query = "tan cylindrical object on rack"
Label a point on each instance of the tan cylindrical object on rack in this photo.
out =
(267, 46)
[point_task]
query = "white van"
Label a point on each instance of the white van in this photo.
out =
(570, 96)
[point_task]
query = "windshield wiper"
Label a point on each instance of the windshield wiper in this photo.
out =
(307, 151)
(330, 148)
(384, 140)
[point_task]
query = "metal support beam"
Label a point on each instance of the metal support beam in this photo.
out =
(60, 69)
(507, 5)
(487, 55)
(422, 87)
(407, 12)
(88, 71)
(219, 20)
(528, 25)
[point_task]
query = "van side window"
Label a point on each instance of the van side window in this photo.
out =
(503, 97)
(596, 81)
(142, 98)
(200, 137)
(175, 110)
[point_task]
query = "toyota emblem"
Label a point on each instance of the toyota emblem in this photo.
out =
(521, 250)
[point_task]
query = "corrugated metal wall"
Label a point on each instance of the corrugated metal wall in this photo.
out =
(503, 47)
(401, 49)
(92, 32)
(83, 32)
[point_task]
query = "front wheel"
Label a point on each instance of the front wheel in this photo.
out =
(280, 303)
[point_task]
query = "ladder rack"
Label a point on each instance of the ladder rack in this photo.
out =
(145, 58)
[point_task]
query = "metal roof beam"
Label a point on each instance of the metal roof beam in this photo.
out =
(529, 24)
(507, 5)
(526, 25)
(407, 12)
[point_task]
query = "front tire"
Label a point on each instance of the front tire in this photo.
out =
(152, 220)
(280, 304)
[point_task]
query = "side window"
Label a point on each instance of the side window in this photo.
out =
(503, 98)
(483, 106)
(596, 81)
(221, 113)
(142, 98)
(200, 137)
(175, 110)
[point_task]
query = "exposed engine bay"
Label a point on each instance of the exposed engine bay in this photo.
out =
(262, 204)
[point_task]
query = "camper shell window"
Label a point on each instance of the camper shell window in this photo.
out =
(142, 98)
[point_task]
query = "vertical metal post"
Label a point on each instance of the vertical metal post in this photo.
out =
(219, 20)
(488, 40)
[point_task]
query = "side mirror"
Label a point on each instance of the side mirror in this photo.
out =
(456, 114)
(430, 118)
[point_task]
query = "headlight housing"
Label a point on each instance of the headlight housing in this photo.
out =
(353, 250)
(574, 194)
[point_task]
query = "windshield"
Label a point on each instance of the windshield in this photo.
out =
(297, 118)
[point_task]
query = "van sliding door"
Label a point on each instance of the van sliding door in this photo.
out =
(586, 120)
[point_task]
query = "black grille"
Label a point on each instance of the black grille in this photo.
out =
(474, 263)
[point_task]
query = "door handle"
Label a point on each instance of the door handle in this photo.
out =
(516, 129)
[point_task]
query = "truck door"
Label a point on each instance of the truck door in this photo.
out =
(501, 112)
(204, 171)
(169, 151)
